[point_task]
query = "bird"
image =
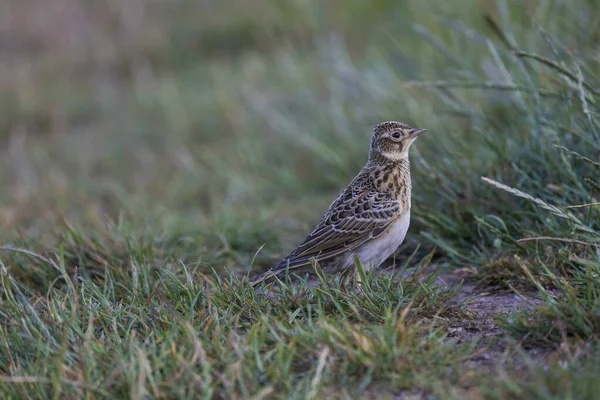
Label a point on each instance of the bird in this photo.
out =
(369, 219)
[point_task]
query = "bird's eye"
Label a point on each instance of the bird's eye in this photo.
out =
(396, 135)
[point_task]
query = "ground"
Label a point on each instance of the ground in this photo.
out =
(154, 155)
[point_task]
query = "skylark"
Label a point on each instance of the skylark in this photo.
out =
(369, 219)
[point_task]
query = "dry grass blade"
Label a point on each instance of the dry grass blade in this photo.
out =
(555, 66)
(579, 156)
(24, 379)
(32, 254)
(498, 31)
(584, 102)
(548, 207)
(555, 239)
(584, 205)
(479, 85)
(43, 380)
(316, 380)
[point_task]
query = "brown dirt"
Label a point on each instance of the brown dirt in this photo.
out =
(495, 344)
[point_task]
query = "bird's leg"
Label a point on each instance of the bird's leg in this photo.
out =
(359, 285)
(351, 280)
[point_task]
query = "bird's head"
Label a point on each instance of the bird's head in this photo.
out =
(391, 140)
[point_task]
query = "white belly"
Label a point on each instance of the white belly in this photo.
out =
(374, 252)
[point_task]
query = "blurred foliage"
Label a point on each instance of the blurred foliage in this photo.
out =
(175, 113)
(145, 142)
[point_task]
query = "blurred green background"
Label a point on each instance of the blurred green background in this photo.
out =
(144, 142)
(211, 128)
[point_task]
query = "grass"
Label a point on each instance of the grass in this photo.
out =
(153, 157)
(173, 339)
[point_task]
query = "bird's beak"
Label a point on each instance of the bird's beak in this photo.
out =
(417, 132)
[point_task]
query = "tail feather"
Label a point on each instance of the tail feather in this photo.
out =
(269, 275)
(275, 272)
(263, 278)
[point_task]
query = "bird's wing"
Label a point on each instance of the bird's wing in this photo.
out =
(360, 213)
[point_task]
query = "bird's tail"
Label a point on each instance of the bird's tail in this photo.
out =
(278, 271)
(265, 277)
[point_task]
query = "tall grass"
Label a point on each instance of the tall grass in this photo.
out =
(154, 155)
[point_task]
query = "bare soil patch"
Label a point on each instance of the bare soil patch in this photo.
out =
(495, 344)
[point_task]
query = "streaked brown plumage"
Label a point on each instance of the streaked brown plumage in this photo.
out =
(369, 218)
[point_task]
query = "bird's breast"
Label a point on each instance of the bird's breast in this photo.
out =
(377, 250)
